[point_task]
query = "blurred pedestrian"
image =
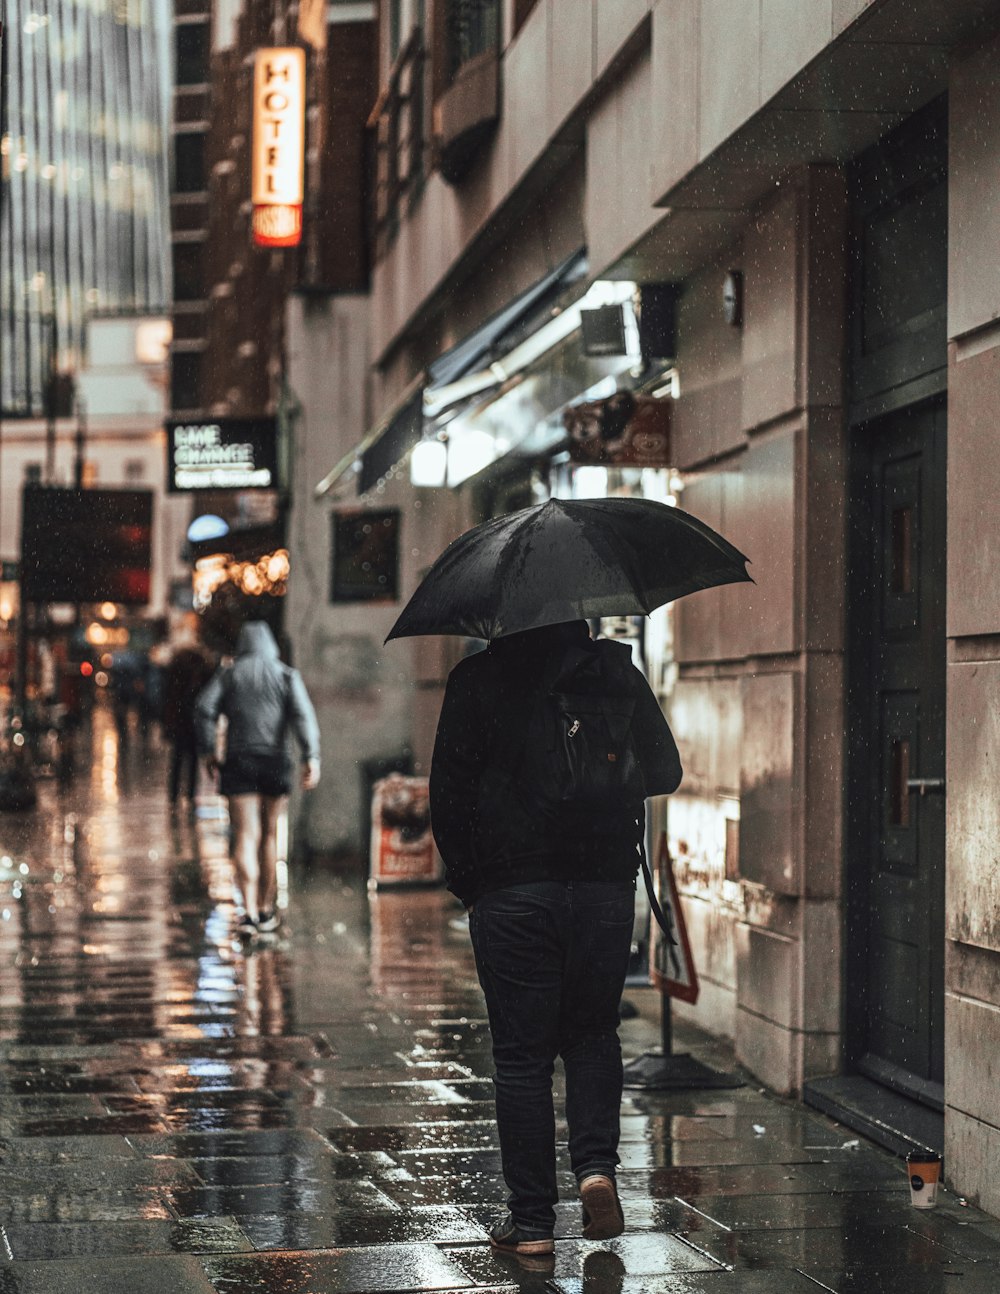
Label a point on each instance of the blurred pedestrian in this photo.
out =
(262, 699)
(125, 687)
(547, 745)
(186, 673)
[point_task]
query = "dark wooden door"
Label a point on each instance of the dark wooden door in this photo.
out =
(897, 748)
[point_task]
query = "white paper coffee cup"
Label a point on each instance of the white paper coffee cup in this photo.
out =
(924, 1169)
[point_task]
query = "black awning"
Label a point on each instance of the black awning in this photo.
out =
(411, 397)
(399, 437)
(495, 333)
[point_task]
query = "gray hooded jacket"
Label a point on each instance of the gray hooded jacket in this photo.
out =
(260, 696)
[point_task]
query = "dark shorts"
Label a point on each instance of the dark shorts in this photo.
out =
(256, 772)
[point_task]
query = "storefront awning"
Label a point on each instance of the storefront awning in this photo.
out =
(401, 427)
(402, 423)
(495, 333)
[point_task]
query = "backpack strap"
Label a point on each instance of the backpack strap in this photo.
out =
(665, 924)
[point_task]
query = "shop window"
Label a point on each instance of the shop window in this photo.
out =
(189, 272)
(365, 558)
(189, 162)
(185, 379)
(191, 49)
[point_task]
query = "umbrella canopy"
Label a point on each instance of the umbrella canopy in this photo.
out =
(568, 560)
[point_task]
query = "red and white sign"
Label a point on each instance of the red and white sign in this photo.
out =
(279, 99)
(402, 847)
(671, 965)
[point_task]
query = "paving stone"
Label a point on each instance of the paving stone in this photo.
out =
(594, 1281)
(286, 1197)
(84, 1206)
(48, 1240)
(441, 1225)
(874, 1248)
(959, 1278)
(153, 1275)
(54, 1150)
(107, 1174)
(231, 1145)
(347, 1271)
(417, 1137)
(647, 1255)
(798, 1212)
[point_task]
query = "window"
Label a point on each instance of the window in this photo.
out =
(365, 564)
(185, 380)
(395, 27)
(189, 271)
(398, 155)
(191, 47)
(473, 28)
(189, 162)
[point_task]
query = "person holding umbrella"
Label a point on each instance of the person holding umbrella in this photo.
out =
(547, 745)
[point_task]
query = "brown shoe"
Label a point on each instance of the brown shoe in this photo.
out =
(602, 1211)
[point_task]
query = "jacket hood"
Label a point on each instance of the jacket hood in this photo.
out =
(256, 639)
(538, 642)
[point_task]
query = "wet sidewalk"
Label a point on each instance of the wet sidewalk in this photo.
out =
(180, 1115)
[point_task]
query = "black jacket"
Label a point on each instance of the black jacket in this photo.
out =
(481, 824)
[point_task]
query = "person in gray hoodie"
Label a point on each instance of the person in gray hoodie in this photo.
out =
(262, 700)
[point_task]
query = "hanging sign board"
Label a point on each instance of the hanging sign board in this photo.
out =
(671, 965)
(278, 146)
(623, 431)
(222, 454)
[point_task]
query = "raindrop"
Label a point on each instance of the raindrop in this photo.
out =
(23, 869)
(6, 914)
(154, 856)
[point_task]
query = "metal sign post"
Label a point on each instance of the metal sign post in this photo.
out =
(673, 972)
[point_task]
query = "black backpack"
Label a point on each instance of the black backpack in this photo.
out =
(579, 764)
(578, 768)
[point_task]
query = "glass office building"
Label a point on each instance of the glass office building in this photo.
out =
(85, 206)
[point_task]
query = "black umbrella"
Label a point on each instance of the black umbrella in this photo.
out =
(568, 560)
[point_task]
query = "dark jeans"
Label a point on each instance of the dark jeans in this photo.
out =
(552, 959)
(183, 766)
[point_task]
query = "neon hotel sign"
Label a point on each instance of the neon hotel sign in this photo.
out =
(278, 145)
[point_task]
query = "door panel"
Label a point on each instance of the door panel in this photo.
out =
(899, 665)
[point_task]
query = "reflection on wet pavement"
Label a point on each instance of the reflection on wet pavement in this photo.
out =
(180, 1113)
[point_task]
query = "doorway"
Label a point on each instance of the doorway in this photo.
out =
(896, 753)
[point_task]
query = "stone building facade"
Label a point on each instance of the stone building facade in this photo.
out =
(817, 182)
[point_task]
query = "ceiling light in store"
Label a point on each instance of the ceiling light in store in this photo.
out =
(429, 464)
(468, 454)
